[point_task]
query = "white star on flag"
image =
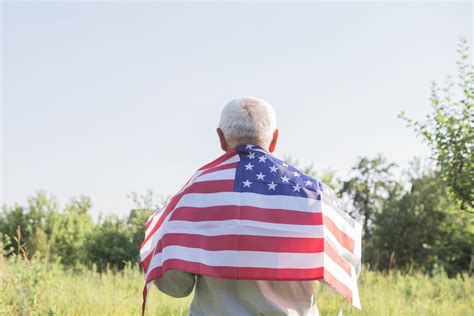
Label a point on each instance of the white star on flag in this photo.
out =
(251, 155)
(248, 166)
(272, 186)
(260, 176)
(296, 174)
(273, 169)
(296, 188)
(247, 183)
(285, 179)
(262, 158)
(248, 147)
(308, 183)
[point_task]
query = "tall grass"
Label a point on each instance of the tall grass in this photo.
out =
(37, 288)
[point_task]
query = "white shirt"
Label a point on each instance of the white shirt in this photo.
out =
(216, 297)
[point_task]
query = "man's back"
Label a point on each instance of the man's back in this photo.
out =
(215, 296)
(244, 216)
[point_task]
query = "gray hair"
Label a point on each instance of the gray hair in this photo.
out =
(248, 120)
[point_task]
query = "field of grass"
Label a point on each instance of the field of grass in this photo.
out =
(35, 288)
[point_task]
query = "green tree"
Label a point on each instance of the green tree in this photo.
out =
(75, 225)
(11, 218)
(421, 229)
(449, 130)
(40, 229)
(110, 245)
(371, 183)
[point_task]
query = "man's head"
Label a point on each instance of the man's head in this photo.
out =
(248, 120)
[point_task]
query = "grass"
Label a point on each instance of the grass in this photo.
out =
(37, 288)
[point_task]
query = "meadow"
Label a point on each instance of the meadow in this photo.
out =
(38, 288)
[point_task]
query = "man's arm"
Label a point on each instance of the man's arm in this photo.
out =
(176, 283)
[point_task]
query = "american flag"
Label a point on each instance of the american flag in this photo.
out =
(248, 215)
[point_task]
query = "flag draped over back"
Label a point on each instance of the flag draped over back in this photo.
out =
(248, 215)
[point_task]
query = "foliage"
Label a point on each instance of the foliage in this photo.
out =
(449, 131)
(371, 183)
(74, 228)
(111, 245)
(69, 234)
(38, 288)
(148, 201)
(38, 223)
(422, 230)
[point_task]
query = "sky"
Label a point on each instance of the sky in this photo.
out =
(108, 98)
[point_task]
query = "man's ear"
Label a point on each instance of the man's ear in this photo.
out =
(274, 141)
(222, 140)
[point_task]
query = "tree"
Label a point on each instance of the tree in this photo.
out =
(421, 229)
(74, 228)
(449, 131)
(11, 218)
(41, 228)
(136, 224)
(110, 245)
(371, 182)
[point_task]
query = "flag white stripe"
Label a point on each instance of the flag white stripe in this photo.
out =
(244, 227)
(232, 227)
(338, 272)
(346, 254)
(341, 275)
(233, 258)
(235, 158)
(338, 220)
(226, 174)
(355, 293)
(154, 220)
(291, 203)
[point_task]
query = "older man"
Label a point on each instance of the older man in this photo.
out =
(246, 120)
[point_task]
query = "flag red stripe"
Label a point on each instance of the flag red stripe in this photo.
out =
(146, 261)
(211, 187)
(237, 273)
(229, 212)
(337, 285)
(251, 243)
(144, 300)
(237, 242)
(150, 220)
(340, 261)
(221, 167)
(219, 160)
(345, 240)
(242, 243)
(197, 187)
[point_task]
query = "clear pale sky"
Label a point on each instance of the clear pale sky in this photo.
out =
(103, 99)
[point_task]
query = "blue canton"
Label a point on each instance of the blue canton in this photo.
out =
(260, 172)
